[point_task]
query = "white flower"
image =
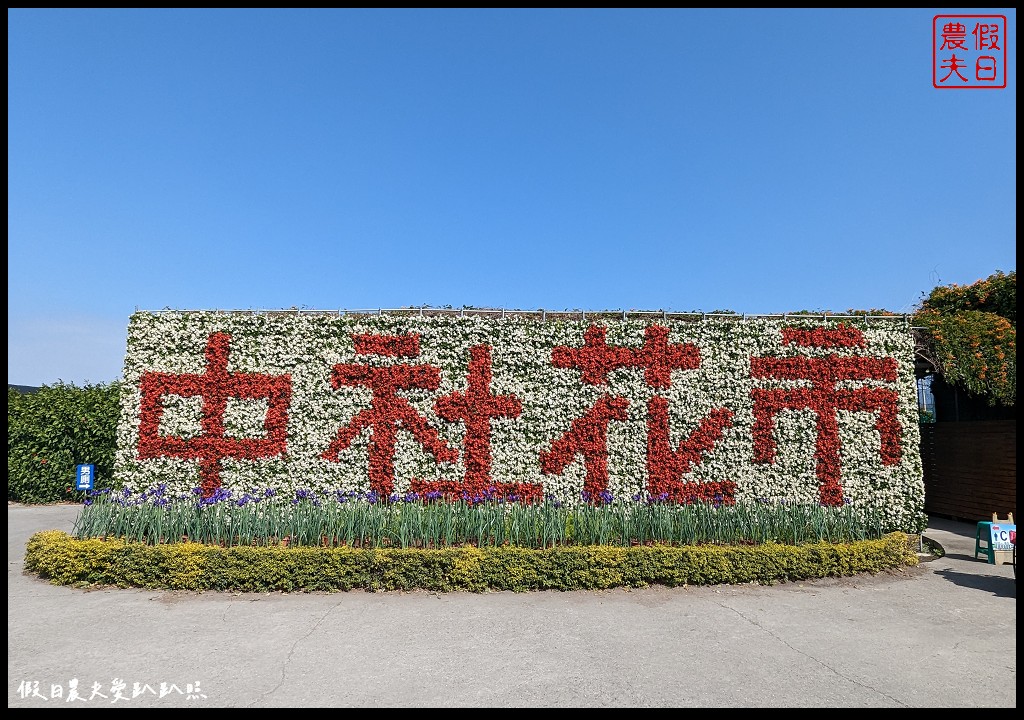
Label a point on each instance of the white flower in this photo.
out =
(306, 347)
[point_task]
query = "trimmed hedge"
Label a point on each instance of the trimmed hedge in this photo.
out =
(52, 430)
(63, 560)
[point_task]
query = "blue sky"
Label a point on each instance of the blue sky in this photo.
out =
(759, 161)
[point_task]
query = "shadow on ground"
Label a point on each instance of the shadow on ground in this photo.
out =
(998, 586)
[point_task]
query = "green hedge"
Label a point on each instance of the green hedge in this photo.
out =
(64, 560)
(54, 429)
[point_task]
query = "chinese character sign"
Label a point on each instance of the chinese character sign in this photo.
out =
(969, 51)
(85, 476)
(578, 410)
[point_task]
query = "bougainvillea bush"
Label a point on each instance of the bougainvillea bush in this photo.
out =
(595, 409)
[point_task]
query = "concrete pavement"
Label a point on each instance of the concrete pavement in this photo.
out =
(939, 635)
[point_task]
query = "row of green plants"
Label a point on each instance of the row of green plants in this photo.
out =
(64, 560)
(366, 521)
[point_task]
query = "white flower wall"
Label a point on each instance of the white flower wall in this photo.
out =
(599, 409)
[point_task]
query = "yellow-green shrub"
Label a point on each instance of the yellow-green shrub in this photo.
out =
(64, 560)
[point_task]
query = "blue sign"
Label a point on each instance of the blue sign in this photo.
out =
(85, 475)
(1001, 536)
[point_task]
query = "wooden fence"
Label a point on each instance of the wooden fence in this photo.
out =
(970, 469)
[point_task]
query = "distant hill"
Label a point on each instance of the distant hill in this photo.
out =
(24, 389)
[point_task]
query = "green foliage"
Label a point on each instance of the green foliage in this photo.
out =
(995, 295)
(972, 336)
(154, 519)
(51, 431)
(64, 560)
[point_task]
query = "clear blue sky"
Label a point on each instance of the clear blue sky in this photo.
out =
(758, 161)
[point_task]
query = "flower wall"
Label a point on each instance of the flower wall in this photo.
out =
(594, 409)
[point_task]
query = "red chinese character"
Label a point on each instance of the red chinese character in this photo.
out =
(985, 68)
(954, 66)
(475, 407)
(588, 435)
(657, 357)
(215, 387)
(953, 36)
(986, 37)
(388, 411)
(825, 399)
(666, 467)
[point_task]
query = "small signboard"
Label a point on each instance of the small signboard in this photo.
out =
(1001, 536)
(85, 477)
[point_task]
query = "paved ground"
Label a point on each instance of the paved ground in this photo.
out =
(941, 635)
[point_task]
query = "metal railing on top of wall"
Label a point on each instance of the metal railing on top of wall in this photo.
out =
(542, 314)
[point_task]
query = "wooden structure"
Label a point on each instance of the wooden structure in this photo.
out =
(970, 468)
